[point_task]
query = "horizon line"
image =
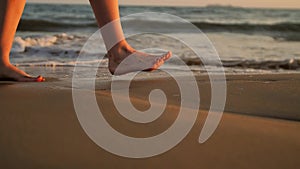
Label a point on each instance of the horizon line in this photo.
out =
(165, 5)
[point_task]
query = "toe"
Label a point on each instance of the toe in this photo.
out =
(31, 79)
(40, 79)
(167, 56)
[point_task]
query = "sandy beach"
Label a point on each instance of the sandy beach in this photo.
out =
(181, 116)
(259, 129)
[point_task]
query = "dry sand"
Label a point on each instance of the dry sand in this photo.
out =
(259, 129)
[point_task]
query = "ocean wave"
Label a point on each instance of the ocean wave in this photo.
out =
(63, 50)
(291, 64)
(279, 27)
(49, 44)
(51, 26)
(20, 44)
(278, 31)
(87, 63)
(44, 25)
(288, 64)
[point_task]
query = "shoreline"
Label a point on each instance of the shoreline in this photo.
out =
(246, 91)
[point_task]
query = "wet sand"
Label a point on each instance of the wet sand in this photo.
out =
(259, 129)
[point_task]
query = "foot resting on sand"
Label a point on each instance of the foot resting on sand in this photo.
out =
(133, 60)
(12, 73)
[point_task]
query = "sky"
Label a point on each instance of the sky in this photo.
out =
(242, 3)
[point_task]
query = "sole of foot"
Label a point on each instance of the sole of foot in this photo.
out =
(137, 61)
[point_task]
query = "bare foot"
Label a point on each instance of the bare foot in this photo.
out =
(125, 60)
(12, 73)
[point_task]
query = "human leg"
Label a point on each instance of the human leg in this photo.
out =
(108, 18)
(10, 14)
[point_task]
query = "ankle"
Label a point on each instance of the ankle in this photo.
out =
(121, 47)
(4, 63)
(4, 59)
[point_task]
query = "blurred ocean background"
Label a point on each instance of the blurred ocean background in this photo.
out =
(247, 40)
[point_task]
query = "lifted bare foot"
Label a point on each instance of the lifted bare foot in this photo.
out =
(12, 73)
(124, 60)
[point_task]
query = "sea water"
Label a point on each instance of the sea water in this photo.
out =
(246, 39)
